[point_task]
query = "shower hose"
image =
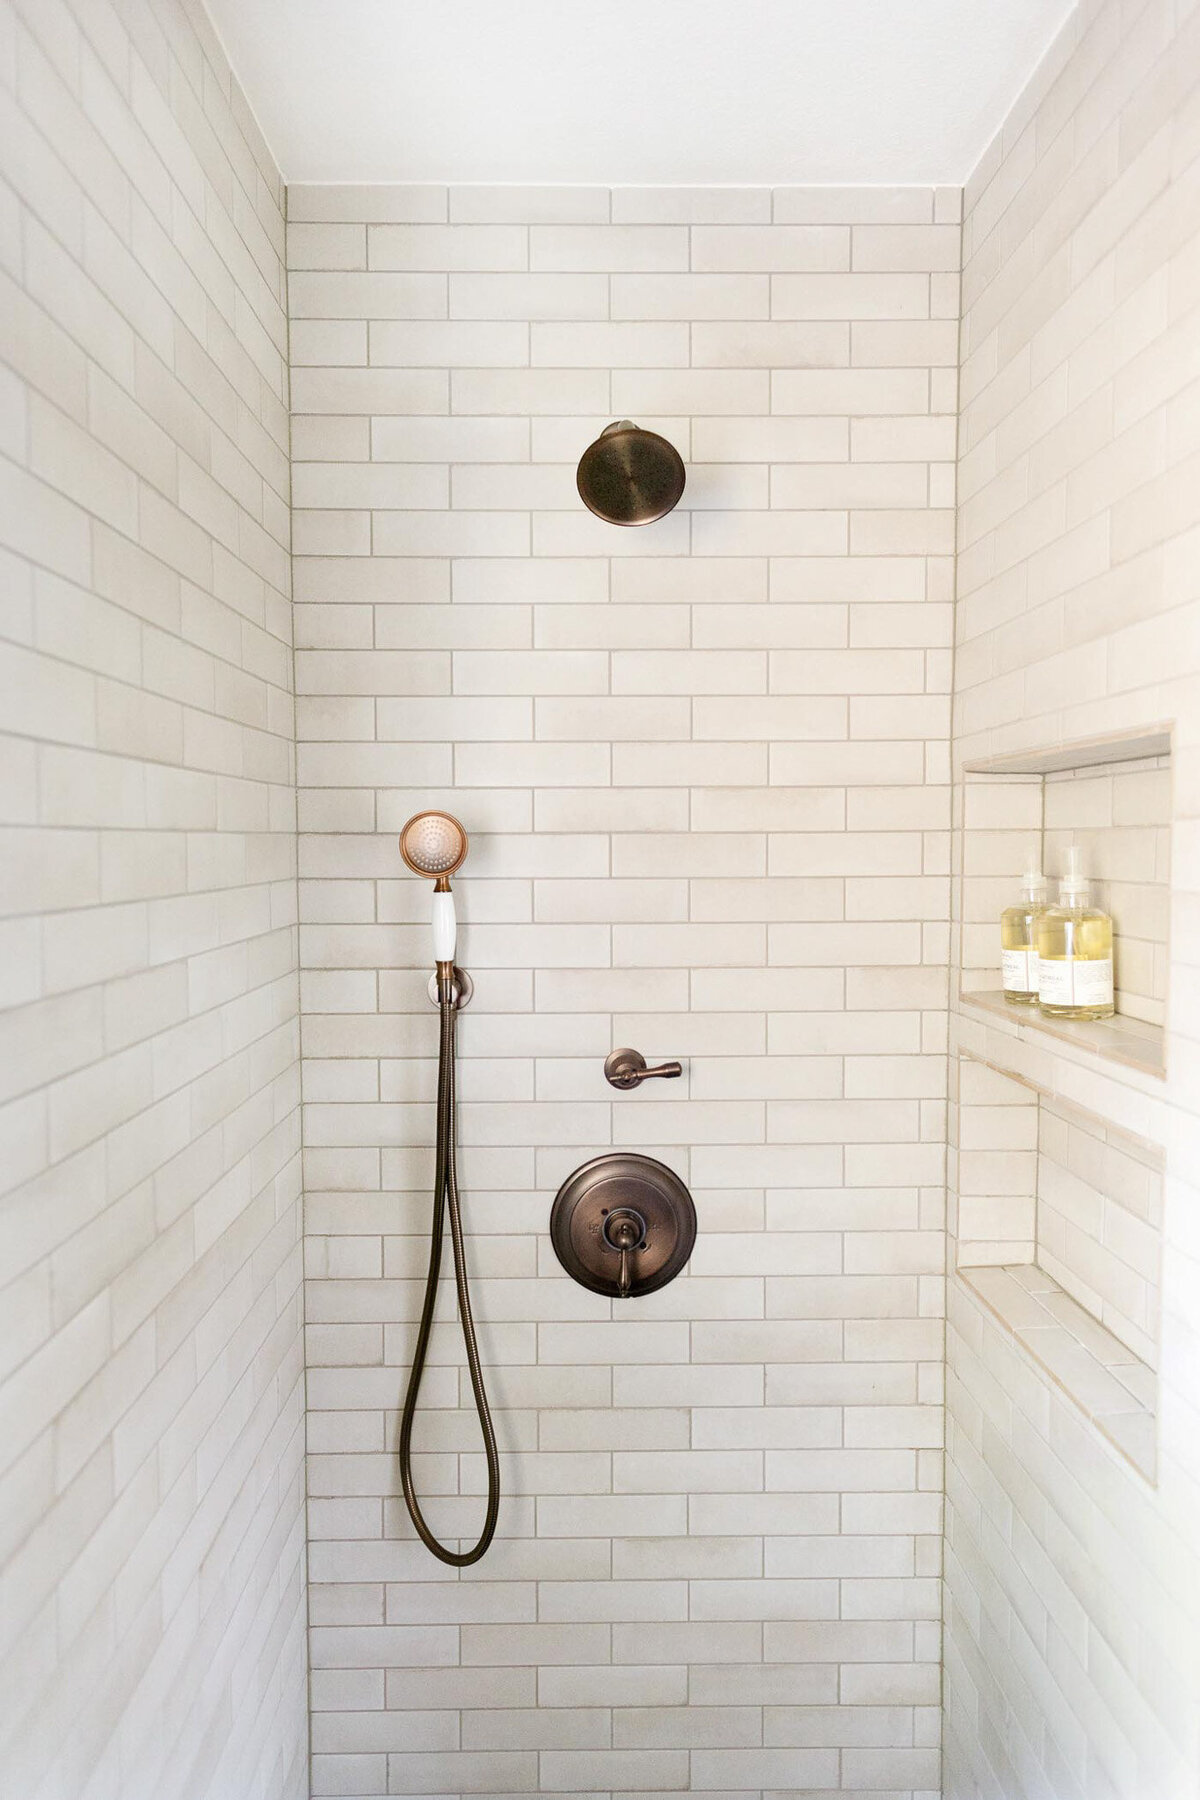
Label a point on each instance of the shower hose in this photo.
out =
(445, 1199)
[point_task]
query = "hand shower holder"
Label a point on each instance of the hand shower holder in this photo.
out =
(464, 989)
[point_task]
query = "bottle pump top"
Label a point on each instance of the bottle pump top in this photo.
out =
(1073, 888)
(1033, 884)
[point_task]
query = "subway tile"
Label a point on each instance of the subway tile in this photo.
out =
(852, 391)
(450, 533)
(528, 297)
(849, 296)
(445, 440)
(444, 247)
(771, 248)
(637, 392)
(572, 345)
(608, 247)
(697, 1726)
(351, 295)
(346, 391)
(932, 247)
(441, 344)
(577, 533)
(522, 391)
(326, 246)
(563, 205)
(530, 672)
(770, 439)
(776, 533)
(729, 1770)
(691, 205)
(821, 344)
(337, 202)
(853, 205)
(666, 296)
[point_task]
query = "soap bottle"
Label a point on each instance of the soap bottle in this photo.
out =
(1018, 951)
(1075, 951)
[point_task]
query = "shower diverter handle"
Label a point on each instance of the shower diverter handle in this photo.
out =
(627, 1069)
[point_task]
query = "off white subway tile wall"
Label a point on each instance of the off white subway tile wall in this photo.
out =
(705, 770)
(1073, 1582)
(1100, 1223)
(151, 1598)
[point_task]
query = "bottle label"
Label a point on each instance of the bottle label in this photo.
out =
(1019, 971)
(1070, 981)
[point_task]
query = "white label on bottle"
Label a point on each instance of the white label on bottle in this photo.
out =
(1019, 971)
(1069, 981)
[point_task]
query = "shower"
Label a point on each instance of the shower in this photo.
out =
(434, 844)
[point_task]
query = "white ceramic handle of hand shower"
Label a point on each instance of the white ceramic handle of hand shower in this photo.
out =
(445, 931)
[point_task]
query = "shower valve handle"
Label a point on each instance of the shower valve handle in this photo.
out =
(625, 1231)
(627, 1069)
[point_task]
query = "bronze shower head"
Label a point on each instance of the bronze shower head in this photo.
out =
(630, 476)
(433, 844)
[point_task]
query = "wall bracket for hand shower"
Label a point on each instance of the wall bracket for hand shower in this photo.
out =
(464, 989)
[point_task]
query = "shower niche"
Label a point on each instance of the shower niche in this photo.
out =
(1056, 1226)
(1112, 795)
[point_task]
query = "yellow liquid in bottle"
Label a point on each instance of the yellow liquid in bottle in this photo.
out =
(1075, 947)
(1018, 953)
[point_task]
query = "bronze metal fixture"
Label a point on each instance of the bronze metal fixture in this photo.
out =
(627, 1069)
(462, 991)
(625, 1230)
(630, 476)
(434, 843)
(623, 1224)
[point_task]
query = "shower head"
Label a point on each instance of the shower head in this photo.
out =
(630, 476)
(434, 844)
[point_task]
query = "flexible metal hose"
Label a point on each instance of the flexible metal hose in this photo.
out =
(445, 1199)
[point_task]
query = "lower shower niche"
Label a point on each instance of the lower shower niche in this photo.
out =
(1057, 1221)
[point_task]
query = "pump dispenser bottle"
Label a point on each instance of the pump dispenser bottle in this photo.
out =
(1075, 951)
(1018, 950)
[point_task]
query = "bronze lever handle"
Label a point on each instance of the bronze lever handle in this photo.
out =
(625, 1230)
(627, 1069)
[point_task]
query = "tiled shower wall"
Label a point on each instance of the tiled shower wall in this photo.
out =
(151, 1418)
(704, 768)
(1073, 1585)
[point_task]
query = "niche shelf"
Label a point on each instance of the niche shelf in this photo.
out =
(1133, 1042)
(1056, 1222)
(1083, 753)
(1104, 1379)
(1112, 794)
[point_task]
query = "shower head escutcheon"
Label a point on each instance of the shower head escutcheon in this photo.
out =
(434, 844)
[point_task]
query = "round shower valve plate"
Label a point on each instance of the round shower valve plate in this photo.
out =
(625, 1183)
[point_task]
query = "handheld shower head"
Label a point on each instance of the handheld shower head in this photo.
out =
(434, 844)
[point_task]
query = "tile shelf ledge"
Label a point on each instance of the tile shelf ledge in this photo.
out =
(1146, 743)
(1111, 1386)
(1131, 1042)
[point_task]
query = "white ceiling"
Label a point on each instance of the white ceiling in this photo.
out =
(620, 92)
